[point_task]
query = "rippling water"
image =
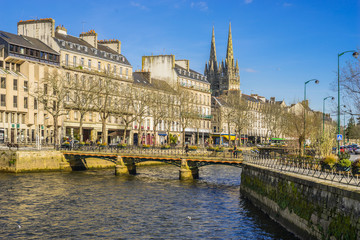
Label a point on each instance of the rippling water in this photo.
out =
(151, 205)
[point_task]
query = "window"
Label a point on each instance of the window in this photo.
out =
(74, 61)
(99, 66)
(6, 117)
(82, 61)
(114, 69)
(25, 102)
(3, 82)
(108, 68)
(67, 60)
(90, 116)
(15, 84)
(127, 72)
(120, 70)
(75, 115)
(15, 101)
(83, 80)
(68, 77)
(35, 103)
(3, 100)
(45, 89)
(26, 86)
(89, 64)
(23, 119)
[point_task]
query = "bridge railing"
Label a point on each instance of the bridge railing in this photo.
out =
(156, 151)
(305, 166)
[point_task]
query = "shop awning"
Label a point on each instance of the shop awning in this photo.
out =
(227, 137)
(162, 134)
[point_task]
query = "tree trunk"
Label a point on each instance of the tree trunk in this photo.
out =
(154, 143)
(183, 137)
(197, 141)
(55, 117)
(124, 135)
(81, 127)
(229, 134)
(103, 129)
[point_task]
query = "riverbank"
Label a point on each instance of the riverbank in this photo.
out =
(48, 160)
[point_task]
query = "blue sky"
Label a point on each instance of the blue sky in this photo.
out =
(279, 44)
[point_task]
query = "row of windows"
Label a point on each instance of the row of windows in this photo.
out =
(15, 84)
(14, 118)
(15, 101)
(34, 53)
(114, 69)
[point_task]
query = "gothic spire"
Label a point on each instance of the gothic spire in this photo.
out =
(229, 52)
(213, 48)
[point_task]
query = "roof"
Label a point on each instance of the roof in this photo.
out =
(157, 84)
(27, 42)
(81, 46)
(193, 74)
(249, 98)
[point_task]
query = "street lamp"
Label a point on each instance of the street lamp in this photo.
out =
(355, 55)
(317, 82)
(332, 98)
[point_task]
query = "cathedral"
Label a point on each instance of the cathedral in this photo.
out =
(222, 76)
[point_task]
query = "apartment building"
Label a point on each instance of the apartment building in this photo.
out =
(84, 58)
(194, 87)
(23, 63)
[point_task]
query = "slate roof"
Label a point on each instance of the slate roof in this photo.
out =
(139, 79)
(180, 71)
(81, 46)
(27, 42)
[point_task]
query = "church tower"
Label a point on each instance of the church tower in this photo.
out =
(225, 75)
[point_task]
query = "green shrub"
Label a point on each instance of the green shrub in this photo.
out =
(344, 163)
(344, 155)
(330, 160)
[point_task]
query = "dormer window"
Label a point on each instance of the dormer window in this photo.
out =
(63, 43)
(78, 47)
(70, 45)
(85, 49)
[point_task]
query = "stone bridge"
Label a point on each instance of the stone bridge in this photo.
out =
(126, 164)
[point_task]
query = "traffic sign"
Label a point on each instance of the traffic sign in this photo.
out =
(339, 137)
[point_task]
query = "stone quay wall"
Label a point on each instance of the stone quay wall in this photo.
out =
(32, 161)
(310, 208)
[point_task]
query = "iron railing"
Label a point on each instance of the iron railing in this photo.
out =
(304, 166)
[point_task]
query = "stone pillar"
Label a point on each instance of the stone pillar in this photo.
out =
(121, 169)
(187, 173)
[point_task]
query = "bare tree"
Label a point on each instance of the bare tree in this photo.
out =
(51, 93)
(157, 109)
(187, 110)
(273, 118)
(81, 96)
(350, 81)
(104, 103)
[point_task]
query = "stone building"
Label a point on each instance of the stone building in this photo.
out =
(195, 88)
(86, 58)
(23, 63)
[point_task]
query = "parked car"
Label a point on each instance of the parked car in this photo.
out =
(357, 150)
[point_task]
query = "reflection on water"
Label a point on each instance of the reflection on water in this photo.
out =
(151, 205)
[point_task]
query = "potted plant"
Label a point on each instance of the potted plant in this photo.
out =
(355, 166)
(344, 165)
(121, 145)
(328, 162)
(219, 149)
(210, 149)
(103, 145)
(145, 146)
(192, 148)
(165, 147)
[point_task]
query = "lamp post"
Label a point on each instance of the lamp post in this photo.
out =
(317, 82)
(355, 54)
(332, 98)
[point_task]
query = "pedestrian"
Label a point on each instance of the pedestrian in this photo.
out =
(235, 152)
(186, 149)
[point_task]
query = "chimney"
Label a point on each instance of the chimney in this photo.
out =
(272, 99)
(42, 29)
(90, 37)
(61, 29)
(114, 44)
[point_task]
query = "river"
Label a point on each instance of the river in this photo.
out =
(154, 204)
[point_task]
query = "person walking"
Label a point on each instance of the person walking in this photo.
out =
(186, 149)
(235, 151)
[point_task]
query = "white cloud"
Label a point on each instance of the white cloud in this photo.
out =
(249, 70)
(202, 6)
(248, 1)
(138, 5)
